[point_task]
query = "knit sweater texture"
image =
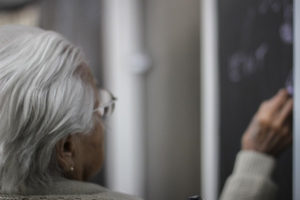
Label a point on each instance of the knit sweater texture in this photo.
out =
(64, 189)
(251, 178)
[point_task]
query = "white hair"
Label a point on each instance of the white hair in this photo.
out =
(42, 100)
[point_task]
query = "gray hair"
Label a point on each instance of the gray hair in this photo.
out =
(42, 100)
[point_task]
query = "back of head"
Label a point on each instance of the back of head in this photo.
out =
(42, 99)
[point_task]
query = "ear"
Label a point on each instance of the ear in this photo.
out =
(65, 152)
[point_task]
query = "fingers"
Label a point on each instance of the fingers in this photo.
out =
(278, 101)
(278, 108)
(285, 112)
(284, 138)
(270, 129)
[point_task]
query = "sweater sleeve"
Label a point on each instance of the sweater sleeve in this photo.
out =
(251, 178)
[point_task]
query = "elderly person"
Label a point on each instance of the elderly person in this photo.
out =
(51, 135)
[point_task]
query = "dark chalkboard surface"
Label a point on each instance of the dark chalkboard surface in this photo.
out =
(255, 57)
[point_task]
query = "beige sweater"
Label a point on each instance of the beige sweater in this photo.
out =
(64, 189)
(251, 178)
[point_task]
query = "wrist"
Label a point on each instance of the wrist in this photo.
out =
(254, 163)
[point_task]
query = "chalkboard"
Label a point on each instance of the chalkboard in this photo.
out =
(255, 59)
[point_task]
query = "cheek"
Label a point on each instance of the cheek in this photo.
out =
(98, 146)
(93, 153)
(99, 136)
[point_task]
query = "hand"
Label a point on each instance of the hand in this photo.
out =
(270, 129)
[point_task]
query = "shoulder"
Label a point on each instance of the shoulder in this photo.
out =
(89, 191)
(64, 189)
(117, 196)
(100, 196)
(107, 195)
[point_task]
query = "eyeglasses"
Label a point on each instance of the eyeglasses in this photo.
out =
(107, 103)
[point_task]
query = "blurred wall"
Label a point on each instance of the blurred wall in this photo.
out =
(80, 22)
(173, 87)
(25, 14)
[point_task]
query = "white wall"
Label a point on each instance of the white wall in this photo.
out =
(173, 88)
(154, 138)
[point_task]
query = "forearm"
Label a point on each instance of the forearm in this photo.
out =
(251, 178)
